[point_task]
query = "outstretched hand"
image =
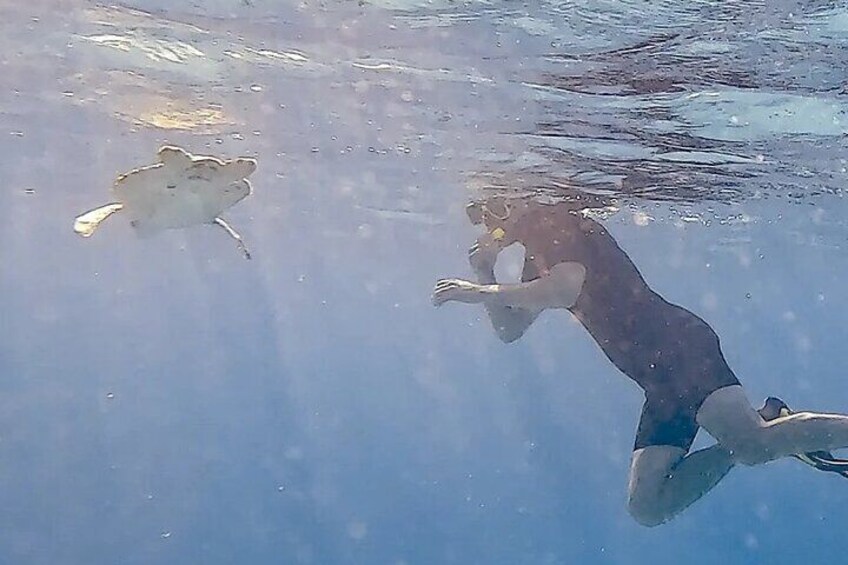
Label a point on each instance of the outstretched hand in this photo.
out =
(458, 290)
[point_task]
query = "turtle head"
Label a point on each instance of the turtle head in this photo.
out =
(174, 155)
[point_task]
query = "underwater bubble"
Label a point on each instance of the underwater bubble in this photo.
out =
(751, 541)
(294, 453)
(641, 218)
(365, 231)
(357, 530)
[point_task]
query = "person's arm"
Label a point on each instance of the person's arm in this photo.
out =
(482, 257)
(509, 322)
(558, 288)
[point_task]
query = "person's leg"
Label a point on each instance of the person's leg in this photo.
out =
(729, 417)
(664, 480)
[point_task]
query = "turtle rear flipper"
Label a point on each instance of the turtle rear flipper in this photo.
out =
(240, 168)
(86, 224)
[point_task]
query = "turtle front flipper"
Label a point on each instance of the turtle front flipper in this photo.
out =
(233, 234)
(85, 224)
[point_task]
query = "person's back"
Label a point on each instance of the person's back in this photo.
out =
(661, 346)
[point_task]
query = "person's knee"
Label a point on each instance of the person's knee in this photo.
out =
(751, 448)
(508, 335)
(644, 513)
(728, 416)
(647, 497)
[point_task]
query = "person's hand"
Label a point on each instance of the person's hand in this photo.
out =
(458, 290)
(483, 255)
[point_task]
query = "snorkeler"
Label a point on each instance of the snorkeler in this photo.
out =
(572, 262)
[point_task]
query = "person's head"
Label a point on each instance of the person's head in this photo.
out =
(498, 211)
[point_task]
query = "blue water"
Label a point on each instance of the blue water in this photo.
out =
(164, 401)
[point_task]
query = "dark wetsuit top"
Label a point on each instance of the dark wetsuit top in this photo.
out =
(670, 352)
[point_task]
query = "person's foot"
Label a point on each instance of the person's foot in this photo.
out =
(774, 408)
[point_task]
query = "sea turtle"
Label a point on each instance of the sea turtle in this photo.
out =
(179, 191)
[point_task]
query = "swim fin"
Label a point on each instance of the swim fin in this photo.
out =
(821, 460)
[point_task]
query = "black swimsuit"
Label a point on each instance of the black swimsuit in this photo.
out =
(670, 352)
